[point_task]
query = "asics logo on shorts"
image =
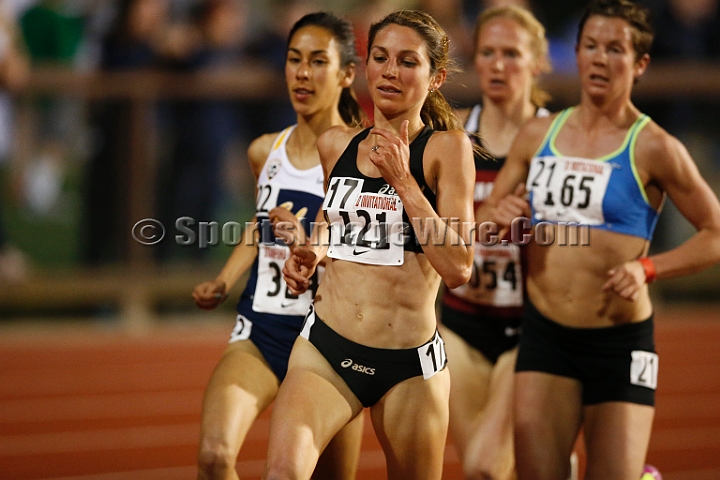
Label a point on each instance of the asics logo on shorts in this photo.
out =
(357, 367)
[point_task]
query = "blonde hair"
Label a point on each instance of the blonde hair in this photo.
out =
(538, 41)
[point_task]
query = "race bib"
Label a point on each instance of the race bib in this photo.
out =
(568, 189)
(644, 369)
(242, 330)
(496, 277)
(365, 227)
(432, 356)
(267, 196)
(271, 291)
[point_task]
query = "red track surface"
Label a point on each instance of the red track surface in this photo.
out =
(89, 403)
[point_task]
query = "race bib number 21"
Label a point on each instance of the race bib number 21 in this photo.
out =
(644, 369)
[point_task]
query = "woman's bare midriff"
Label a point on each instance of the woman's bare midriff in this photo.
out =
(380, 306)
(565, 281)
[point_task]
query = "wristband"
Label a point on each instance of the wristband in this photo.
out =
(649, 268)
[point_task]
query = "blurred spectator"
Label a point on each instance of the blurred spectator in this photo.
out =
(687, 29)
(14, 71)
(268, 45)
(52, 31)
(139, 38)
(203, 129)
(449, 14)
(472, 8)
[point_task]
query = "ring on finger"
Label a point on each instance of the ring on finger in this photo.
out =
(375, 148)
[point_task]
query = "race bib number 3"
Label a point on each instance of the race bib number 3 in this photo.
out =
(271, 292)
(568, 189)
(644, 369)
(365, 227)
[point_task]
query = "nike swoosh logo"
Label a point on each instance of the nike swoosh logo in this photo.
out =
(285, 305)
(355, 252)
(511, 332)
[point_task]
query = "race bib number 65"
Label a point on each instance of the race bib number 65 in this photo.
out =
(568, 189)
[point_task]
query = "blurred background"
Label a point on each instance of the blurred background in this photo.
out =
(113, 112)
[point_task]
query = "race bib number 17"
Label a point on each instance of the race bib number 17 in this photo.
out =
(365, 227)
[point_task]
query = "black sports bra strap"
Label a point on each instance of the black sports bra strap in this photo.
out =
(353, 145)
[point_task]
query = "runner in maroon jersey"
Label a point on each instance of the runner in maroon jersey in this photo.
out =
(481, 319)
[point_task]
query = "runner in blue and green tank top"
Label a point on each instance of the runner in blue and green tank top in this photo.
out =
(604, 192)
(602, 170)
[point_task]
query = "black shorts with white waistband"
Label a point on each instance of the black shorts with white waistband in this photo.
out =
(371, 372)
(613, 364)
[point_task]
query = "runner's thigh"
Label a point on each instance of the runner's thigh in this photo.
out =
(547, 416)
(241, 386)
(470, 374)
(617, 435)
(312, 405)
(411, 422)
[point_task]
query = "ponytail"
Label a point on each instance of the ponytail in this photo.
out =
(438, 114)
(349, 108)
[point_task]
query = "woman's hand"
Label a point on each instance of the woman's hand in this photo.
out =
(298, 269)
(391, 155)
(287, 226)
(511, 207)
(626, 280)
(208, 295)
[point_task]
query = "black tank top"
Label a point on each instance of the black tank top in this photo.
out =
(346, 166)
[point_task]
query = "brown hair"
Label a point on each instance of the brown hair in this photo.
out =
(538, 41)
(436, 111)
(636, 15)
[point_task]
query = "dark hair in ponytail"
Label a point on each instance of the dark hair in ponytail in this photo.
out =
(342, 31)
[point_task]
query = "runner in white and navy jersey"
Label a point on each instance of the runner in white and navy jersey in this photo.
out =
(320, 67)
